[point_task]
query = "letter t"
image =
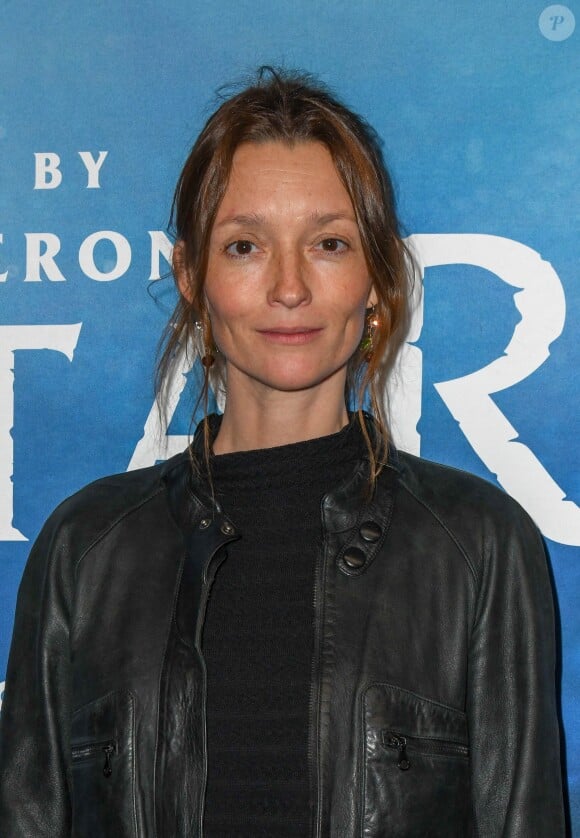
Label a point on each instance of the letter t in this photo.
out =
(13, 338)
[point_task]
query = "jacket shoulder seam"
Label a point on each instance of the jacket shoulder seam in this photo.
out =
(468, 561)
(115, 523)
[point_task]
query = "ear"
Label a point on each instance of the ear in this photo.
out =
(372, 299)
(180, 270)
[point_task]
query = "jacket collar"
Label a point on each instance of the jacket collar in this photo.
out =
(348, 507)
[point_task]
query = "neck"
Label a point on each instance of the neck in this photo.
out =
(254, 419)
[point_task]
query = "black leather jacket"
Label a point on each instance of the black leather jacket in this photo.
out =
(432, 704)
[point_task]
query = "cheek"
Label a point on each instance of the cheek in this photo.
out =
(354, 325)
(228, 315)
(220, 302)
(355, 315)
(229, 296)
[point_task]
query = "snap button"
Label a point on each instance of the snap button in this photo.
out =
(370, 531)
(354, 557)
(227, 528)
(204, 523)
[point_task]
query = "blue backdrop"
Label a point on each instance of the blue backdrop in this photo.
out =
(478, 108)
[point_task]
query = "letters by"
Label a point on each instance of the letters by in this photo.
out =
(48, 174)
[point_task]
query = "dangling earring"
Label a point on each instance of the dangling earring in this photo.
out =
(205, 352)
(367, 344)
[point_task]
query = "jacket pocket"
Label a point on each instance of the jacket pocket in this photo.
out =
(416, 767)
(102, 768)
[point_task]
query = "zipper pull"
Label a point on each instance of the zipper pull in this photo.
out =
(400, 743)
(107, 768)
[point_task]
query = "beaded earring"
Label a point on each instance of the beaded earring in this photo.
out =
(206, 353)
(367, 344)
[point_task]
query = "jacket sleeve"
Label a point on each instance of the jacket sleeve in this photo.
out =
(512, 716)
(35, 720)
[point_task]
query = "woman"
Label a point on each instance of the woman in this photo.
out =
(290, 629)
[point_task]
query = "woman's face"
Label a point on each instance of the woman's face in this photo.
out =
(287, 282)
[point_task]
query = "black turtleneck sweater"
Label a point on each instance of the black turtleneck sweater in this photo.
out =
(259, 631)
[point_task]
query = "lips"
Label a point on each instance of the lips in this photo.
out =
(290, 335)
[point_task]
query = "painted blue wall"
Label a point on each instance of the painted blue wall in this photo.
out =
(478, 107)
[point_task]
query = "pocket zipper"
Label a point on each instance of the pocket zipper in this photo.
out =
(420, 745)
(92, 749)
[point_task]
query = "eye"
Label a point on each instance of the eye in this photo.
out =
(332, 245)
(241, 247)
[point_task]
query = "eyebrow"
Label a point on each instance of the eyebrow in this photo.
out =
(254, 219)
(327, 218)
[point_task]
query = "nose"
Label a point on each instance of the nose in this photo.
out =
(289, 280)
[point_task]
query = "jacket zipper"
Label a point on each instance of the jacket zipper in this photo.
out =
(204, 717)
(313, 705)
(199, 630)
(420, 745)
(90, 750)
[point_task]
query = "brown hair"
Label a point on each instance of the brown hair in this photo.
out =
(290, 108)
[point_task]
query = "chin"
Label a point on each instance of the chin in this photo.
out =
(297, 380)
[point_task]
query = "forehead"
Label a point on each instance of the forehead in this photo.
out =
(276, 172)
(273, 152)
